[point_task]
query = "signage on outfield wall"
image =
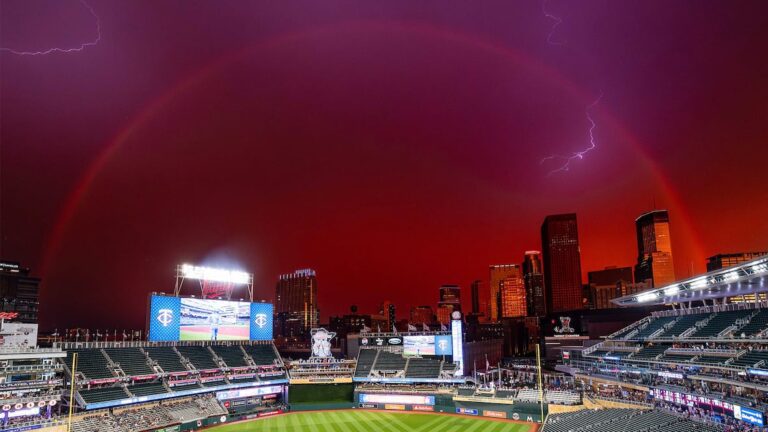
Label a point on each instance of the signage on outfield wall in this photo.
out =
(467, 411)
(495, 414)
(368, 405)
(423, 408)
(394, 407)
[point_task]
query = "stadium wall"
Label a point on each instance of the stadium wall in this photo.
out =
(304, 397)
(439, 402)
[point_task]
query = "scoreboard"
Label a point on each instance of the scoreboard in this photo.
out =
(188, 319)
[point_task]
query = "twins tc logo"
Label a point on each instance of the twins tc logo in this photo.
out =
(165, 316)
(442, 345)
(261, 320)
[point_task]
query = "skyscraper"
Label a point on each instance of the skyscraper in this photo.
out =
(562, 262)
(513, 303)
(654, 266)
(296, 302)
(536, 302)
(498, 273)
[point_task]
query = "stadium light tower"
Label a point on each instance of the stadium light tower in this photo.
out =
(214, 282)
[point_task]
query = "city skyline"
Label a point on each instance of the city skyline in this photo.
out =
(390, 148)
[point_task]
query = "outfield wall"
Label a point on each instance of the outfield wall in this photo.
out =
(443, 403)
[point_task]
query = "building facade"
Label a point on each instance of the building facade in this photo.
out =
(534, 284)
(562, 262)
(498, 273)
(610, 283)
(422, 314)
(722, 261)
(296, 303)
(655, 266)
(512, 299)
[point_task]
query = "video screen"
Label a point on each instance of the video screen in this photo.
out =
(214, 320)
(396, 399)
(418, 345)
(191, 319)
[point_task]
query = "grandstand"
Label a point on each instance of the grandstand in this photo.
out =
(390, 364)
(709, 362)
(113, 375)
(625, 420)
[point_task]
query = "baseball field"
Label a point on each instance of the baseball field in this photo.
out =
(368, 421)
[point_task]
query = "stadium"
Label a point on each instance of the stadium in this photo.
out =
(700, 364)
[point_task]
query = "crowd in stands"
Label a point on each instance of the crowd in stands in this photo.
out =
(149, 416)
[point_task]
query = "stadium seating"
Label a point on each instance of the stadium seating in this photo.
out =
(652, 327)
(232, 355)
(91, 363)
(147, 389)
(365, 361)
(756, 325)
(650, 352)
(195, 409)
(262, 354)
(609, 420)
(387, 361)
(720, 322)
(104, 394)
(167, 358)
(422, 368)
(199, 356)
(681, 325)
(506, 393)
(677, 358)
(752, 359)
(131, 360)
(178, 388)
(712, 360)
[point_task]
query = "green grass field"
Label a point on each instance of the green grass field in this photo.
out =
(367, 421)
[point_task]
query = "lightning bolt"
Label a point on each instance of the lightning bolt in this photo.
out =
(557, 21)
(592, 143)
(80, 48)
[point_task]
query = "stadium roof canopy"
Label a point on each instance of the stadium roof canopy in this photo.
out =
(747, 278)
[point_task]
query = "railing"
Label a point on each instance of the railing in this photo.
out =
(144, 344)
(620, 400)
(710, 309)
(17, 350)
(706, 351)
(25, 400)
(33, 368)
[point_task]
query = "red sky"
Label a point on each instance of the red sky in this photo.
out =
(390, 146)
